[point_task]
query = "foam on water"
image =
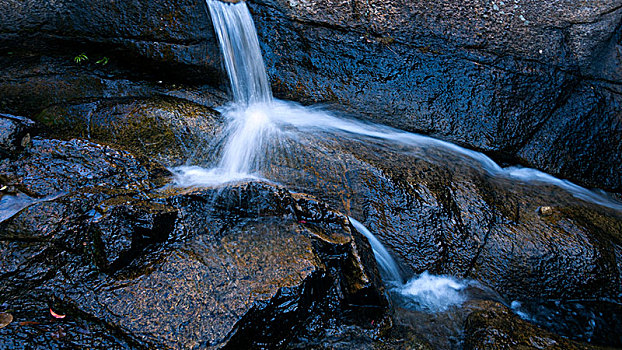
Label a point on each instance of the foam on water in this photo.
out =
(433, 293)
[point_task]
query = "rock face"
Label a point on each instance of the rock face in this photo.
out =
(528, 82)
(532, 82)
(441, 212)
(136, 267)
(176, 33)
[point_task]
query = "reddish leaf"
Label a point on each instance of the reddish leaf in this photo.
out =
(55, 315)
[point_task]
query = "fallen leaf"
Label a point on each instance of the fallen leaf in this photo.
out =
(5, 319)
(55, 315)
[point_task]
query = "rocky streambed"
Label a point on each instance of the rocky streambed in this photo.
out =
(99, 249)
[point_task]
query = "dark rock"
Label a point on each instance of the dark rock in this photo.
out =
(496, 327)
(439, 211)
(177, 33)
(122, 227)
(15, 133)
(32, 82)
(492, 77)
(132, 265)
(166, 129)
(170, 123)
(50, 167)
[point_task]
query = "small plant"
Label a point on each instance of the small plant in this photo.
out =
(103, 61)
(80, 58)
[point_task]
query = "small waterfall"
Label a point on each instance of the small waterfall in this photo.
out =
(249, 132)
(385, 261)
(239, 44)
(424, 292)
(256, 122)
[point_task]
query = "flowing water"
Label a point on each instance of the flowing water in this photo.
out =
(260, 127)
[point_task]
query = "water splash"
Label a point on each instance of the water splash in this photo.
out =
(385, 261)
(433, 293)
(424, 292)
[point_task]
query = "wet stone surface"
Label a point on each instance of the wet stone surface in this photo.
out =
(439, 212)
(133, 265)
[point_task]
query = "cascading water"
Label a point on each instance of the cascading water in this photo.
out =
(249, 129)
(256, 122)
(424, 292)
(239, 44)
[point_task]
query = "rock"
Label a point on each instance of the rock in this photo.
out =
(132, 264)
(169, 123)
(50, 167)
(523, 82)
(496, 327)
(441, 212)
(15, 133)
(165, 129)
(176, 33)
(5, 319)
(545, 210)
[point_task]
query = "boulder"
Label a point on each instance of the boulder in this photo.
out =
(123, 262)
(441, 212)
(529, 83)
(15, 133)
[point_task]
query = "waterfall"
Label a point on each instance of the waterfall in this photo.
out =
(239, 45)
(424, 292)
(256, 122)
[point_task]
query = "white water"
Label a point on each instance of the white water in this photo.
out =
(423, 292)
(239, 44)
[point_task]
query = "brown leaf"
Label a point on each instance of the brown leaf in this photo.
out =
(5, 319)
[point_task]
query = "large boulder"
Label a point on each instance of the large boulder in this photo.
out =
(107, 256)
(442, 212)
(532, 82)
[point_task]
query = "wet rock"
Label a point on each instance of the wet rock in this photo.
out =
(122, 227)
(169, 123)
(50, 167)
(545, 210)
(15, 133)
(496, 327)
(441, 212)
(165, 129)
(177, 33)
(5, 319)
(523, 82)
(134, 265)
(31, 82)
